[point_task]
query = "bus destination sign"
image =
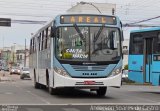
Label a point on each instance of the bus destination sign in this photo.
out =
(88, 19)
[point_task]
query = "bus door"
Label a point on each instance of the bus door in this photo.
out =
(147, 64)
(155, 76)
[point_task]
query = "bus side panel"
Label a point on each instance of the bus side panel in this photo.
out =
(156, 79)
(136, 76)
(44, 65)
(135, 68)
(155, 76)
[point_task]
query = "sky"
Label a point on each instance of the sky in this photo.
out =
(129, 11)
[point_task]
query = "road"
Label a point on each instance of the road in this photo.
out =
(22, 92)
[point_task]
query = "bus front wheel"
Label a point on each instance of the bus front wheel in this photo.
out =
(51, 90)
(101, 91)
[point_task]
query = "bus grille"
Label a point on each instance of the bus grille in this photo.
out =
(89, 68)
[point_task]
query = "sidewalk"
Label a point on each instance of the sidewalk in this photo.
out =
(4, 76)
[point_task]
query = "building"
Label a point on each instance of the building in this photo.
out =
(125, 49)
(14, 48)
(15, 55)
(22, 58)
(1, 54)
(5, 58)
(93, 8)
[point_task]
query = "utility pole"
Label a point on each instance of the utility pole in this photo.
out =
(14, 51)
(25, 54)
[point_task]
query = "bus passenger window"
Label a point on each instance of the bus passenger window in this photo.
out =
(39, 42)
(159, 38)
(46, 38)
(137, 44)
(42, 41)
(156, 44)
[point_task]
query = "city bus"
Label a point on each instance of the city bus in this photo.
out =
(144, 56)
(81, 51)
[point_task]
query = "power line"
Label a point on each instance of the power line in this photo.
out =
(140, 25)
(145, 20)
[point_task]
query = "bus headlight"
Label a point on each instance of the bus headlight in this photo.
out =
(116, 71)
(61, 71)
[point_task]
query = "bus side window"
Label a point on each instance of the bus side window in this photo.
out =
(42, 40)
(46, 38)
(159, 38)
(156, 44)
(39, 42)
(31, 46)
(49, 35)
(34, 44)
(138, 44)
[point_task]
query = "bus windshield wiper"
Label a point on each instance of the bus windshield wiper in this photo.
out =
(79, 32)
(99, 32)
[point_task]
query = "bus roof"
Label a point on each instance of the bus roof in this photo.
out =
(146, 30)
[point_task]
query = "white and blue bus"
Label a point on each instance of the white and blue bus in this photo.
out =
(78, 51)
(144, 56)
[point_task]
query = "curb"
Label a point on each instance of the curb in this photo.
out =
(2, 79)
(137, 84)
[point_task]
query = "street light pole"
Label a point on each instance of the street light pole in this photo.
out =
(25, 54)
(83, 3)
(14, 52)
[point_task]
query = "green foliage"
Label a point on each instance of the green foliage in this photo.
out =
(126, 67)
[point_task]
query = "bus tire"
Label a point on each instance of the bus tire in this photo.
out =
(51, 90)
(36, 84)
(101, 91)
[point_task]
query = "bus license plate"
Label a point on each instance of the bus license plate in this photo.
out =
(89, 82)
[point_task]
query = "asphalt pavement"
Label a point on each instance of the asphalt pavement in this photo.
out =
(14, 91)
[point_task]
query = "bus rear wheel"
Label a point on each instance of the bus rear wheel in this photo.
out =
(36, 84)
(101, 91)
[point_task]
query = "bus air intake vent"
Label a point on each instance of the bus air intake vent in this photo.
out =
(89, 68)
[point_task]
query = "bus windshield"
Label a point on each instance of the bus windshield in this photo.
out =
(88, 44)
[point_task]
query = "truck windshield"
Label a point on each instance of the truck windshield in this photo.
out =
(85, 44)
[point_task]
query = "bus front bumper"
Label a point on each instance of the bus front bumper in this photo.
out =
(62, 81)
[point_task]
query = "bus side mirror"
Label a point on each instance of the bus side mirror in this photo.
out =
(122, 37)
